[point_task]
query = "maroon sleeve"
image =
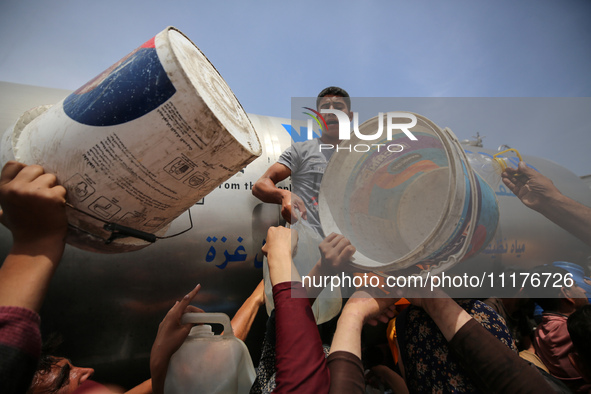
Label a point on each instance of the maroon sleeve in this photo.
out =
(492, 365)
(300, 362)
(346, 373)
(20, 348)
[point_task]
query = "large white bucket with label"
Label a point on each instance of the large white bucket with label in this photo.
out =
(140, 143)
(404, 204)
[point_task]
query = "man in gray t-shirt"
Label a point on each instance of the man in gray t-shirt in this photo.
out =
(305, 163)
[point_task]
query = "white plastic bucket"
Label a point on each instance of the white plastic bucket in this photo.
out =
(417, 204)
(140, 143)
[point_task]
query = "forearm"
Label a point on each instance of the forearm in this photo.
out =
(447, 314)
(569, 214)
(492, 365)
(281, 268)
(26, 274)
(265, 190)
(347, 336)
(243, 319)
(158, 370)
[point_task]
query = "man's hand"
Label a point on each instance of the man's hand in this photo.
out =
(336, 252)
(170, 337)
(533, 189)
(33, 207)
(539, 193)
(291, 202)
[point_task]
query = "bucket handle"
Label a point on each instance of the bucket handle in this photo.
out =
(120, 231)
(502, 162)
(216, 318)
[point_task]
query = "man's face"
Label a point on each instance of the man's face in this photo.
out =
(62, 378)
(333, 102)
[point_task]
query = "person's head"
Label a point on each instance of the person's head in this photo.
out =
(333, 97)
(548, 286)
(58, 375)
(579, 329)
(333, 91)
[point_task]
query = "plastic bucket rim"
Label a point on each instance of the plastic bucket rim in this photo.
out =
(189, 82)
(455, 165)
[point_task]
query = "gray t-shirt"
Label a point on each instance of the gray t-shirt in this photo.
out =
(307, 165)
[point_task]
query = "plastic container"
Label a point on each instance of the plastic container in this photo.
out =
(208, 363)
(140, 143)
(491, 167)
(410, 204)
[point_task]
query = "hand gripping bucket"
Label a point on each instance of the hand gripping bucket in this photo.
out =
(140, 143)
(410, 205)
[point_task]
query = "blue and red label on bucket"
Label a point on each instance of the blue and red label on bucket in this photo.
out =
(129, 89)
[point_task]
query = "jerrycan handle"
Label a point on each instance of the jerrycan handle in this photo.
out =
(216, 318)
(503, 163)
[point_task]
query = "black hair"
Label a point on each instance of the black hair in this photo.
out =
(334, 91)
(47, 361)
(579, 329)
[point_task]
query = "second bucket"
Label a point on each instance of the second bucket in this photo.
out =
(412, 205)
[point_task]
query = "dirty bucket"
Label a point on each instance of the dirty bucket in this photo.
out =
(405, 204)
(140, 143)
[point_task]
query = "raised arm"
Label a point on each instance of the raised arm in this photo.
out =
(33, 209)
(362, 308)
(170, 337)
(245, 316)
(492, 365)
(344, 361)
(300, 363)
(266, 190)
(279, 249)
(538, 192)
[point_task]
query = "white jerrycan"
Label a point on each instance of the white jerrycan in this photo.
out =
(208, 363)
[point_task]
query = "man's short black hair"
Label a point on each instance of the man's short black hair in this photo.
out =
(579, 329)
(334, 91)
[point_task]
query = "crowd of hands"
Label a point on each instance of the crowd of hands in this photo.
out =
(34, 210)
